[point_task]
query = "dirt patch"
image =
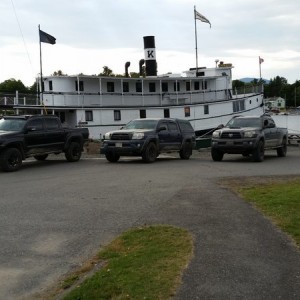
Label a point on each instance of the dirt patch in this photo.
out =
(92, 147)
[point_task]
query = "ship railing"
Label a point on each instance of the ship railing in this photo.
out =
(248, 90)
(127, 99)
(7, 100)
(18, 99)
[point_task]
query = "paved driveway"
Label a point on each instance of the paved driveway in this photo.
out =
(54, 215)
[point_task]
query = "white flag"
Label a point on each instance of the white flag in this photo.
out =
(200, 17)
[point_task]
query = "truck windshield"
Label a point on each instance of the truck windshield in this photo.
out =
(244, 122)
(12, 124)
(141, 124)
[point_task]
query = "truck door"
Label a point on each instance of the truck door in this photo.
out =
(271, 133)
(55, 134)
(163, 135)
(175, 135)
(34, 136)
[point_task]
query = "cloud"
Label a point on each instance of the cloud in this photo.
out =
(93, 33)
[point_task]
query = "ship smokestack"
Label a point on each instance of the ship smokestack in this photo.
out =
(127, 65)
(150, 56)
(141, 62)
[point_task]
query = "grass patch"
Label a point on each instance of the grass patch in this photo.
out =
(278, 199)
(142, 263)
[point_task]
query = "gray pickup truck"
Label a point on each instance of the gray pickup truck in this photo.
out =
(249, 135)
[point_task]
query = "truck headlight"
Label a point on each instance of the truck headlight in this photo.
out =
(216, 134)
(107, 136)
(249, 134)
(138, 135)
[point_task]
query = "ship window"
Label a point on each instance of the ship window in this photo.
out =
(176, 86)
(152, 87)
(50, 85)
(81, 89)
(138, 86)
(166, 113)
(89, 115)
(187, 111)
(142, 113)
(242, 105)
(238, 105)
(188, 86)
(206, 109)
(204, 85)
(110, 87)
(125, 87)
(117, 115)
(196, 85)
(164, 86)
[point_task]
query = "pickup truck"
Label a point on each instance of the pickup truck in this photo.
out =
(148, 138)
(23, 136)
(249, 135)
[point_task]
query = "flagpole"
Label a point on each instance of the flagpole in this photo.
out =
(41, 69)
(196, 41)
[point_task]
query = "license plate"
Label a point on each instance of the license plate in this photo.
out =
(119, 145)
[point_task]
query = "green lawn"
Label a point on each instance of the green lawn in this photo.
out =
(143, 263)
(277, 199)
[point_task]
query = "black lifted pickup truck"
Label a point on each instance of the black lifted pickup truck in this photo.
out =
(249, 135)
(148, 138)
(37, 136)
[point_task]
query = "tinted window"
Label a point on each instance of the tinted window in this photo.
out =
(51, 123)
(172, 126)
(185, 126)
(37, 124)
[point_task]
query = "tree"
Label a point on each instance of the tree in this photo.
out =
(106, 72)
(12, 85)
(58, 73)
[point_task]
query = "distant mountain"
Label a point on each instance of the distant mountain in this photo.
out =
(250, 79)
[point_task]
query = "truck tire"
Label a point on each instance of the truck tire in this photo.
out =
(216, 154)
(259, 152)
(10, 159)
(186, 151)
(73, 153)
(112, 157)
(150, 153)
(281, 151)
(41, 157)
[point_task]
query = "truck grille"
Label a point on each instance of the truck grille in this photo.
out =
(120, 136)
(231, 135)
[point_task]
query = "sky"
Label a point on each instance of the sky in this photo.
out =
(91, 34)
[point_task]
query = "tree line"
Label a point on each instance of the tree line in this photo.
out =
(276, 87)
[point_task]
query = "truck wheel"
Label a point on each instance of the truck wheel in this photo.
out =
(281, 152)
(112, 157)
(259, 152)
(73, 153)
(150, 153)
(186, 151)
(41, 157)
(10, 159)
(216, 154)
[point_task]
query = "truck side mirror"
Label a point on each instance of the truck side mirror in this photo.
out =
(266, 123)
(30, 128)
